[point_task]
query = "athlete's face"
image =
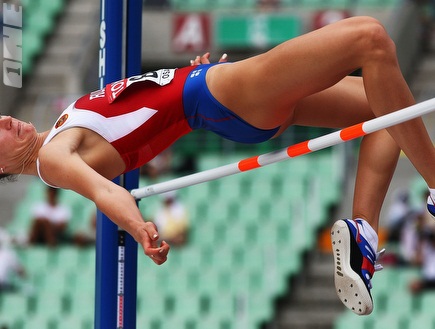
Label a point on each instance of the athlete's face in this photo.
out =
(16, 137)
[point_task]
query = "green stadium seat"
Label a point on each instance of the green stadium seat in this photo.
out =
(40, 22)
(376, 3)
(188, 306)
(83, 281)
(56, 280)
(232, 189)
(339, 4)
(281, 210)
(29, 5)
(294, 188)
(347, 320)
(53, 7)
(250, 210)
(81, 304)
(14, 306)
(223, 305)
(50, 303)
(421, 320)
(388, 320)
(400, 302)
(405, 276)
(233, 233)
(69, 322)
(210, 322)
(427, 302)
(288, 260)
(32, 46)
(227, 4)
(173, 321)
(385, 281)
(7, 321)
(260, 308)
(37, 259)
(211, 281)
(37, 321)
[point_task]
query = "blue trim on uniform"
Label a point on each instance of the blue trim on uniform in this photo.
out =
(204, 111)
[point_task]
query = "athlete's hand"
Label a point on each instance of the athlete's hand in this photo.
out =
(148, 237)
(205, 59)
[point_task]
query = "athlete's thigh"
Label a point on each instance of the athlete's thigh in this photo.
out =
(264, 89)
(341, 105)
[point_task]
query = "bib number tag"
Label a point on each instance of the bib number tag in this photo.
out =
(161, 77)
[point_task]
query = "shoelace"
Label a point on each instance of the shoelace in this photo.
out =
(379, 254)
(377, 267)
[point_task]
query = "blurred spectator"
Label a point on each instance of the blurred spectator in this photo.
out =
(186, 165)
(160, 165)
(172, 220)
(10, 266)
(397, 215)
(416, 224)
(426, 259)
(50, 220)
(427, 20)
(410, 238)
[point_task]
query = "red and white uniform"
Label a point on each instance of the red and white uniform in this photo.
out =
(140, 116)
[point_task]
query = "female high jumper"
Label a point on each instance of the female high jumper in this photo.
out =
(304, 81)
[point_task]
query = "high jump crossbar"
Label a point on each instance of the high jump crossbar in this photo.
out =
(292, 151)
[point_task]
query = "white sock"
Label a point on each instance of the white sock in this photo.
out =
(432, 193)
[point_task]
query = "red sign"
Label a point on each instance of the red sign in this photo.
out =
(191, 32)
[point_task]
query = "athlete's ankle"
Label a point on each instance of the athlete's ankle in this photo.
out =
(369, 233)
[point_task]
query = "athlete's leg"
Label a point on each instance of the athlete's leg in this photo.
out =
(293, 84)
(345, 104)
(342, 105)
(264, 89)
(377, 161)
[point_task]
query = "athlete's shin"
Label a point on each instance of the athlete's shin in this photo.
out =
(377, 161)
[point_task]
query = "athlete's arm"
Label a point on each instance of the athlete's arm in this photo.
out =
(66, 169)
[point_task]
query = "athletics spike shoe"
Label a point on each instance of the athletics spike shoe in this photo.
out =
(354, 244)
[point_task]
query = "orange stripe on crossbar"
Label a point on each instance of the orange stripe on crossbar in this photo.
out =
(249, 164)
(298, 149)
(352, 132)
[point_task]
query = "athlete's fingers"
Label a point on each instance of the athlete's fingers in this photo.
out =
(223, 58)
(159, 255)
(205, 59)
(149, 239)
(153, 234)
(196, 61)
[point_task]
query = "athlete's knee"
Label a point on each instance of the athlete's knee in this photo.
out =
(374, 40)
